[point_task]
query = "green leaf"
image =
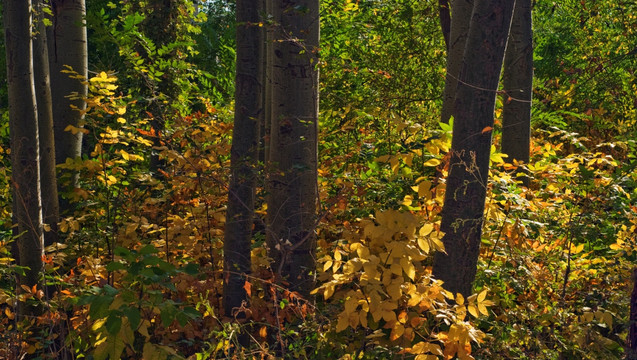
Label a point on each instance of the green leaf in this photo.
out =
(148, 249)
(134, 317)
(191, 269)
(114, 266)
(114, 323)
(99, 305)
(167, 314)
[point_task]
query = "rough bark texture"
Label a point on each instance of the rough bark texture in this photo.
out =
(67, 47)
(292, 204)
(470, 147)
(267, 33)
(460, 19)
(244, 156)
(445, 20)
(23, 127)
(48, 179)
(517, 79)
(631, 346)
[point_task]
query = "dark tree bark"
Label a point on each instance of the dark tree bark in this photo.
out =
(460, 19)
(517, 79)
(293, 193)
(463, 209)
(23, 127)
(244, 156)
(267, 33)
(631, 346)
(66, 41)
(445, 20)
(48, 179)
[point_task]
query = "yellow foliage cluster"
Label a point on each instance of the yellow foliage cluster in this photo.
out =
(379, 275)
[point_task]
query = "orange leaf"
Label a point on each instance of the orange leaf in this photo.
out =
(248, 288)
(487, 129)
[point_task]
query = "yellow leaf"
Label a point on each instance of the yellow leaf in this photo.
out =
(338, 256)
(482, 295)
(423, 244)
(394, 290)
(98, 324)
(432, 162)
(328, 291)
(577, 249)
(397, 332)
(426, 357)
(459, 299)
(426, 229)
(351, 304)
(9, 314)
(328, 264)
(363, 318)
(419, 348)
(394, 163)
(343, 322)
(408, 267)
(472, 310)
(483, 309)
(408, 200)
(607, 318)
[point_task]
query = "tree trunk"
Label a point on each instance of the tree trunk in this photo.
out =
(293, 193)
(23, 127)
(244, 156)
(463, 209)
(267, 33)
(67, 47)
(517, 80)
(48, 180)
(631, 346)
(445, 20)
(460, 18)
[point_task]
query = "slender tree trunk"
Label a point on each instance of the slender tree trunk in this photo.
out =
(244, 156)
(67, 48)
(48, 183)
(267, 33)
(463, 210)
(517, 79)
(445, 20)
(460, 19)
(23, 127)
(631, 346)
(292, 204)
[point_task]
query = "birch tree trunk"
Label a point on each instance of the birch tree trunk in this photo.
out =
(463, 209)
(460, 19)
(42, 82)
(293, 193)
(23, 128)
(67, 47)
(244, 156)
(517, 79)
(631, 341)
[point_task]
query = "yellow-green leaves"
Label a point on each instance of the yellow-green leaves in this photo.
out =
(477, 304)
(383, 256)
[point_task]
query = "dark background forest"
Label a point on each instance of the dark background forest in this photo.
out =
(417, 179)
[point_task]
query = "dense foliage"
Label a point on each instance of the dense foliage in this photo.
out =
(139, 271)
